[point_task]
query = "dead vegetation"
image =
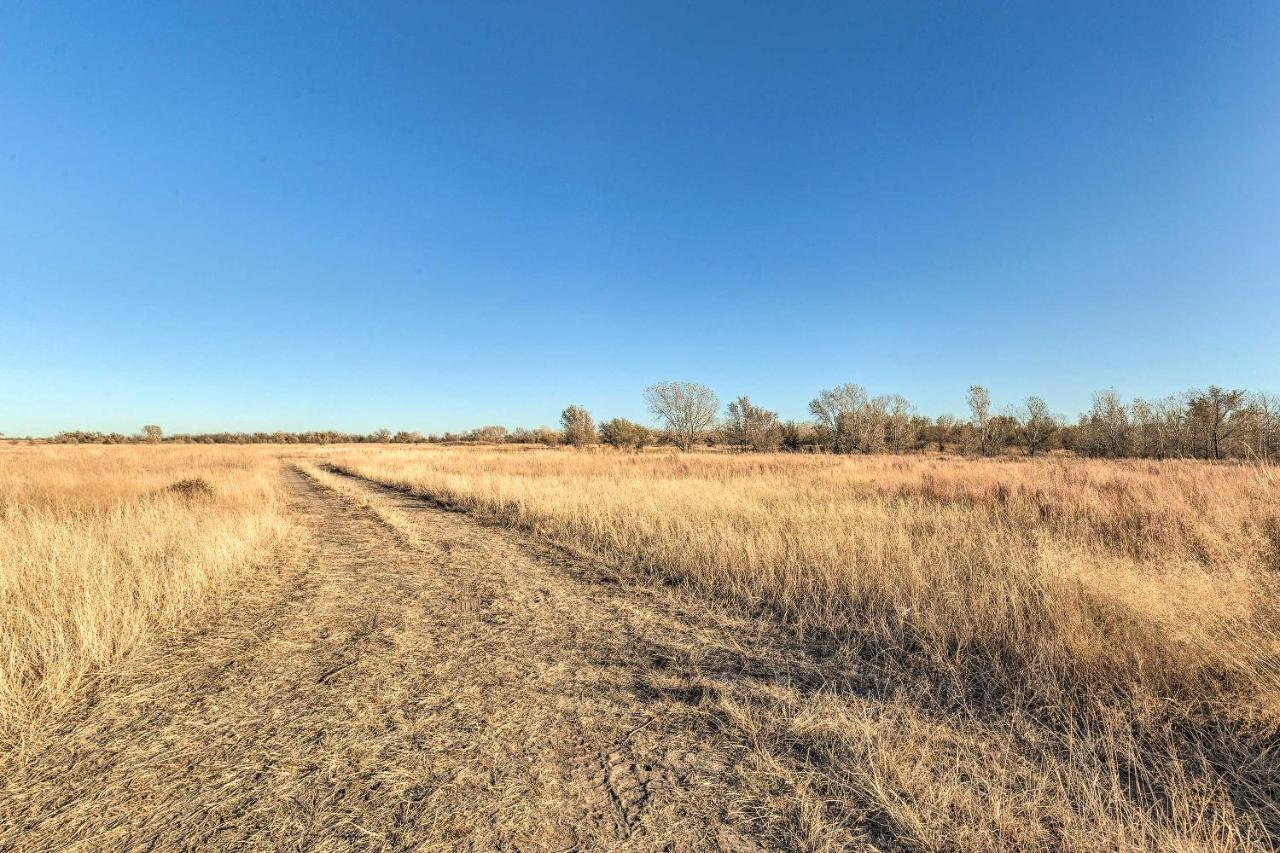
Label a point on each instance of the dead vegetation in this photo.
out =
(695, 651)
(1094, 642)
(103, 547)
(195, 489)
(458, 687)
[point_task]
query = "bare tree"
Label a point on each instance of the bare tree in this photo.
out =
(687, 409)
(899, 427)
(579, 428)
(1220, 414)
(1159, 428)
(851, 421)
(1173, 425)
(1266, 425)
(152, 433)
(492, 434)
(1036, 425)
(1148, 432)
(867, 425)
(1106, 428)
(836, 410)
(750, 426)
(979, 399)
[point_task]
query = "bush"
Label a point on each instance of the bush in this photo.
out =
(624, 434)
(579, 429)
(193, 489)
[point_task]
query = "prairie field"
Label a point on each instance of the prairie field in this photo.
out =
(103, 548)
(1069, 577)
(1117, 618)
(804, 651)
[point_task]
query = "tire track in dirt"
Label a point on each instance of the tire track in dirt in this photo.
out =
(451, 686)
(660, 773)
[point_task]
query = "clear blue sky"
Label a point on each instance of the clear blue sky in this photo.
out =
(224, 215)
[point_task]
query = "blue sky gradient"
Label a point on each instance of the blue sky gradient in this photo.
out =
(258, 216)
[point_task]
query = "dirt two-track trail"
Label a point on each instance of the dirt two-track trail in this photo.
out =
(448, 685)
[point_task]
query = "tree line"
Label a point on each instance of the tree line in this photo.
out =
(1212, 423)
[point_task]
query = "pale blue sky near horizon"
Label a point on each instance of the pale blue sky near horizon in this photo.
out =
(259, 216)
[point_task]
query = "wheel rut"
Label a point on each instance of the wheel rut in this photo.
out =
(443, 685)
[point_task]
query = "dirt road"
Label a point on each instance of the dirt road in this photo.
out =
(436, 685)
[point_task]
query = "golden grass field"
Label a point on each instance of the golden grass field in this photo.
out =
(1050, 653)
(1120, 618)
(99, 554)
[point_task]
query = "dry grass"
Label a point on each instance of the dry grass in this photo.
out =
(1052, 653)
(103, 547)
(977, 655)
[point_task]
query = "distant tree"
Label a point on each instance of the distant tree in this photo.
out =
(625, 435)
(492, 434)
(381, 436)
(748, 426)
(1147, 435)
(1160, 429)
(546, 435)
(848, 420)
(687, 409)
(408, 437)
(1105, 429)
(944, 430)
(979, 399)
(715, 437)
(899, 425)
(1002, 431)
(1218, 415)
(795, 436)
(579, 428)
(1266, 425)
(1035, 425)
(152, 434)
(540, 435)
(836, 411)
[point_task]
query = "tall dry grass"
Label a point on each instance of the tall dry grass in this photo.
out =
(1112, 624)
(99, 551)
